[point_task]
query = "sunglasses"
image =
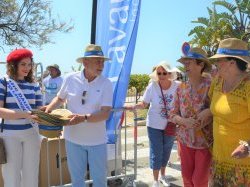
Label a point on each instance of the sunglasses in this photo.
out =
(164, 73)
(84, 97)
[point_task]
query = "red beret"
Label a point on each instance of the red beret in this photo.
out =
(18, 55)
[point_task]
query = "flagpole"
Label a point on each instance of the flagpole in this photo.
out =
(93, 22)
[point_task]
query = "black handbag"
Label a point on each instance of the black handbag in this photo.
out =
(3, 156)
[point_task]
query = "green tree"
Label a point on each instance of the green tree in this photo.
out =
(28, 22)
(238, 15)
(211, 30)
(233, 21)
(139, 82)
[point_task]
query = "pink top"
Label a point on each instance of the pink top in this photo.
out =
(189, 103)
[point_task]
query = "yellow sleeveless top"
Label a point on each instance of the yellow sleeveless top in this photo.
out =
(231, 123)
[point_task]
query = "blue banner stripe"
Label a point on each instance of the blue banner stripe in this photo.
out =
(118, 45)
(234, 52)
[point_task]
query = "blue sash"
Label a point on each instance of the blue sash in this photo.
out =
(20, 99)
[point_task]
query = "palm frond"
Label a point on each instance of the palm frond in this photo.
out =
(230, 7)
(202, 20)
(196, 30)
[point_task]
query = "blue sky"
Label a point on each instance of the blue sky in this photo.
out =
(163, 27)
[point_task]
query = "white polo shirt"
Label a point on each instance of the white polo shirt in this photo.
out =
(99, 92)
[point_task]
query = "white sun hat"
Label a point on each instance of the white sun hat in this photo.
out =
(167, 68)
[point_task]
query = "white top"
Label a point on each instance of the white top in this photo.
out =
(52, 86)
(156, 117)
(98, 94)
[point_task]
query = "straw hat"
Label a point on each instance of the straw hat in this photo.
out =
(50, 125)
(56, 67)
(49, 131)
(92, 51)
(167, 68)
(233, 47)
(196, 53)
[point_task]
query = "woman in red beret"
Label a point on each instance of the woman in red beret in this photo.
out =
(19, 94)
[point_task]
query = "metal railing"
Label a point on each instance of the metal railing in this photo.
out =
(126, 178)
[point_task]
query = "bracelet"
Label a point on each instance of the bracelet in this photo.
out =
(245, 144)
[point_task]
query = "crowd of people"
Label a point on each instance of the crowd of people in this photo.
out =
(208, 113)
(211, 113)
(88, 97)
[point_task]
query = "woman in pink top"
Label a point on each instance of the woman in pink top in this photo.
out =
(190, 105)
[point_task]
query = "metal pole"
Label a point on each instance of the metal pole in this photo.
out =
(93, 23)
(48, 161)
(60, 161)
(135, 144)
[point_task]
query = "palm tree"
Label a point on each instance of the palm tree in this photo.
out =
(238, 15)
(233, 22)
(211, 30)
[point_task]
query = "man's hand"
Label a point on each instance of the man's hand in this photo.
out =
(75, 119)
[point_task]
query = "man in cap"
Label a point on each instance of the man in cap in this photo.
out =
(52, 83)
(89, 97)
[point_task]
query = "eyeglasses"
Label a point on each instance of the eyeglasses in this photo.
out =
(164, 73)
(84, 97)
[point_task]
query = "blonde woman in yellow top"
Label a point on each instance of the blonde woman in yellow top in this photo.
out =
(230, 107)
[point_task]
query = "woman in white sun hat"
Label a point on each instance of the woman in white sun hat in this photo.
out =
(230, 106)
(159, 96)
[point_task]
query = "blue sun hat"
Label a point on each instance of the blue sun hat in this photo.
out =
(93, 51)
(194, 53)
(233, 47)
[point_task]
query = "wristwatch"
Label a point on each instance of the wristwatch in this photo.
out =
(245, 144)
(85, 118)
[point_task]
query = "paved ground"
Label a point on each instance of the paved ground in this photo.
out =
(144, 174)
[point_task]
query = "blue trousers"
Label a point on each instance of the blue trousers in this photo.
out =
(160, 148)
(79, 155)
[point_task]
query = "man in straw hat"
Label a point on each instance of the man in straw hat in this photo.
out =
(189, 106)
(230, 107)
(52, 83)
(89, 97)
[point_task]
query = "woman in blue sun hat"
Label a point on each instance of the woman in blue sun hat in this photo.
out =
(230, 106)
(191, 103)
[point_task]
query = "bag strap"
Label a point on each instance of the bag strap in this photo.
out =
(4, 101)
(163, 98)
